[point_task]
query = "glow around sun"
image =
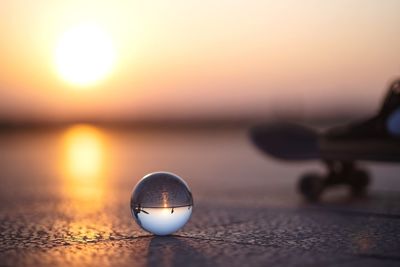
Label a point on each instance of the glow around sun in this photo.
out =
(84, 55)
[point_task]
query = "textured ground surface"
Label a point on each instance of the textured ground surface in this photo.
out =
(64, 200)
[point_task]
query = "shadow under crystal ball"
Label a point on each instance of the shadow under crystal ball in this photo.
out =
(161, 203)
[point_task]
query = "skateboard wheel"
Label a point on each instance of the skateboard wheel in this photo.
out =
(359, 181)
(311, 186)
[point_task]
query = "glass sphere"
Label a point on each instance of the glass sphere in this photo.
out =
(161, 203)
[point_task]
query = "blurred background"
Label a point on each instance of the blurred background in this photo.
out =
(97, 89)
(152, 61)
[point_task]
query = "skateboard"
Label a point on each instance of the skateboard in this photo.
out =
(339, 148)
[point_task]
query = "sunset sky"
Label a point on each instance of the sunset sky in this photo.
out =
(194, 59)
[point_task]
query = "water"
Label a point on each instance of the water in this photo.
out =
(161, 203)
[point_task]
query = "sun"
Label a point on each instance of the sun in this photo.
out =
(84, 55)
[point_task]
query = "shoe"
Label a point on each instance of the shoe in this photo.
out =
(377, 138)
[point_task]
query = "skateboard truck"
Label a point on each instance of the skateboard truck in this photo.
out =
(312, 185)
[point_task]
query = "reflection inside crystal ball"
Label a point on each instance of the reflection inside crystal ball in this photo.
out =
(161, 203)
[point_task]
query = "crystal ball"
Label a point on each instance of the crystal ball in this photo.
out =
(161, 203)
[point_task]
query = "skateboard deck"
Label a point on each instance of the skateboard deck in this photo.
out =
(288, 141)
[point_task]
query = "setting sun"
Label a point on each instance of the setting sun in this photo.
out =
(84, 55)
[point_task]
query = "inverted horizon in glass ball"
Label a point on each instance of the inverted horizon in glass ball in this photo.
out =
(161, 203)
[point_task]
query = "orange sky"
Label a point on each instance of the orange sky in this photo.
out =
(202, 58)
